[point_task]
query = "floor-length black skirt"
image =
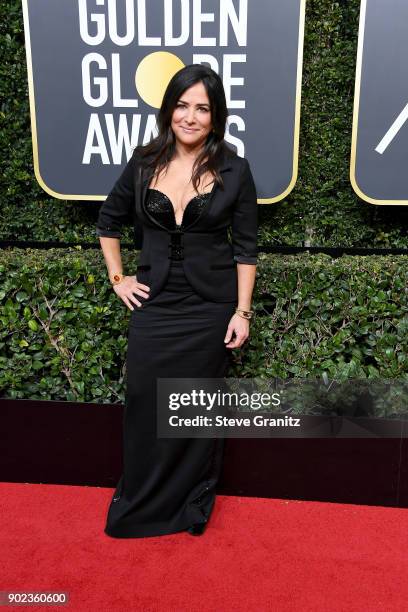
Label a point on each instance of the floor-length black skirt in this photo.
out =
(168, 484)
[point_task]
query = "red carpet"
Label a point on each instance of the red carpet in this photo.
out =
(257, 554)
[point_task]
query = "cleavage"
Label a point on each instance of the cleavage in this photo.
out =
(186, 206)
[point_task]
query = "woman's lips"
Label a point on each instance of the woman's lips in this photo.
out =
(188, 129)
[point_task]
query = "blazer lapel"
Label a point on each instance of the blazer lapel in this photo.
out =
(145, 177)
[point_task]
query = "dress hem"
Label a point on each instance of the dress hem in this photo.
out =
(152, 530)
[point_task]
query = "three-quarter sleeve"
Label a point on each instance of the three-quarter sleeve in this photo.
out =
(118, 208)
(245, 219)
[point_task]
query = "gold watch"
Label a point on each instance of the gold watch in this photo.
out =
(116, 278)
(245, 314)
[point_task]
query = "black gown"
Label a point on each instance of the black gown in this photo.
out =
(168, 484)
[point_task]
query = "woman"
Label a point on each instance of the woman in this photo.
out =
(190, 300)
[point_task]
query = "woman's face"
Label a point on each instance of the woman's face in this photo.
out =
(191, 120)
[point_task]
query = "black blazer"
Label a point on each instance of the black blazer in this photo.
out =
(209, 258)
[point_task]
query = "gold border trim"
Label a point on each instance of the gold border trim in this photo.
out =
(79, 197)
(296, 131)
(354, 134)
(31, 96)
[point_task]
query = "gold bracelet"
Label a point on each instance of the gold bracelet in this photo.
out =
(245, 314)
(116, 278)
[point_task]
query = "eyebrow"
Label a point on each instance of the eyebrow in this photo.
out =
(199, 104)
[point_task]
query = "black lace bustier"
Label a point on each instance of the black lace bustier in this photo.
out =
(159, 206)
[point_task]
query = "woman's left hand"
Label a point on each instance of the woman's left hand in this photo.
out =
(240, 327)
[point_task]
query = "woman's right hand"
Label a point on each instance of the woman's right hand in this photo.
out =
(126, 289)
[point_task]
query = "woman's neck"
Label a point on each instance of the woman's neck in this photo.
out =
(187, 154)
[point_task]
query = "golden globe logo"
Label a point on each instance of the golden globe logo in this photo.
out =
(109, 134)
(97, 71)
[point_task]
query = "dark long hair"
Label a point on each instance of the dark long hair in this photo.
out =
(163, 146)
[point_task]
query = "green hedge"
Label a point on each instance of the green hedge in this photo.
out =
(322, 210)
(63, 332)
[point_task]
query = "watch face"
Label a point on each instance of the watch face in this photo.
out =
(116, 278)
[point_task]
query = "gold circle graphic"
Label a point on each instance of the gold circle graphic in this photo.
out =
(153, 75)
